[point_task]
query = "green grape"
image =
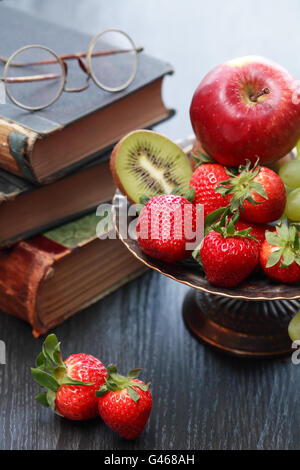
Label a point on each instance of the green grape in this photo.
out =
(292, 208)
(289, 172)
(288, 189)
(294, 328)
(298, 149)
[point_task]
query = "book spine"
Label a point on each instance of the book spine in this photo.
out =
(22, 272)
(16, 146)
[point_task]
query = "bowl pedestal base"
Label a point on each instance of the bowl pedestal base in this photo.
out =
(254, 329)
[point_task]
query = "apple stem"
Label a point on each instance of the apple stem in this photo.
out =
(264, 91)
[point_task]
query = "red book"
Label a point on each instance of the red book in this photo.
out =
(46, 279)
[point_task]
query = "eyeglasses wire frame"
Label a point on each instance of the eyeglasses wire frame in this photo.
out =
(61, 60)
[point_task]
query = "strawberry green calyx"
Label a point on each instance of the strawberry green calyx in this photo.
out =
(218, 217)
(286, 239)
(201, 158)
(144, 199)
(242, 185)
(51, 372)
(116, 382)
(227, 230)
(225, 225)
(189, 195)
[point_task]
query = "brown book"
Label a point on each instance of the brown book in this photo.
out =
(48, 278)
(45, 145)
(27, 210)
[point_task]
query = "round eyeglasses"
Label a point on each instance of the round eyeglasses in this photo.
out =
(35, 76)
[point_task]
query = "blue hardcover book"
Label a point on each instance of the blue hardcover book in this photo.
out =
(45, 145)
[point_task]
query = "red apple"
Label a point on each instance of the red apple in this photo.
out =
(247, 108)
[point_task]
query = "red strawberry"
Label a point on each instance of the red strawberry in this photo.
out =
(280, 254)
(166, 225)
(204, 180)
(258, 231)
(228, 256)
(71, 384)
(124, 403)
(259, 192)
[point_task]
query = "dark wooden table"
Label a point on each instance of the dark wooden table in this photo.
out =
(202, 399)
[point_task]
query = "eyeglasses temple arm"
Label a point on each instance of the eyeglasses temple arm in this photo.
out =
(73, 56)
(35, 78)
(30, 78)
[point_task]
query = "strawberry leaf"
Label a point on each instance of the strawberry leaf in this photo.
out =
(134, 373)
(235, 204)
(41, 398)
(68, 381)
(196, 254)
(45, 380)
(177, 191)
(274, 258)
(42, 362)
(51, 396)
(273, 238)
(59, 372)
(51, 347)
(144, 199)
(230, 228)
(102, 391)
(288, 257)
(214, 216)
(116, 382)
(259, 189)
(283, 231)
(201, 158)
(112, 369)
(141, 386)
(133, 394)
(190, 195)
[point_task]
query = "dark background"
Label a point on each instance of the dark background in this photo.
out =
(201, 399)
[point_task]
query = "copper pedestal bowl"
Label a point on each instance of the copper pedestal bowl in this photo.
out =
(250, 320)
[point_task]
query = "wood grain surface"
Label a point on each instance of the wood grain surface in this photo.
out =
(201, 399)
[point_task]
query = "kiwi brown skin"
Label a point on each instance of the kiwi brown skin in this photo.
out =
(112, 164)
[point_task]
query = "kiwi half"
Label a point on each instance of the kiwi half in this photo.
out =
(147, 163)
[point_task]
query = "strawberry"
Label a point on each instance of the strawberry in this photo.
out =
(228, 256)
(258, 231)
(280, 254)
(166, 225)
(71, 384)
(204, 180)
(124, 403)
(258, 191)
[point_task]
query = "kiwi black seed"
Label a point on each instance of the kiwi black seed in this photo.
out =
(145, 163)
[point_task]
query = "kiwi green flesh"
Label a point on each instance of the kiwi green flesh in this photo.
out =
(149, 164)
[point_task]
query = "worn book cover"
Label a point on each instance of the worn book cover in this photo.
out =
(49, 278)
(26, 209)
(47, 144)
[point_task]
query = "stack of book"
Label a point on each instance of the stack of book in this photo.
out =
(54, 173)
